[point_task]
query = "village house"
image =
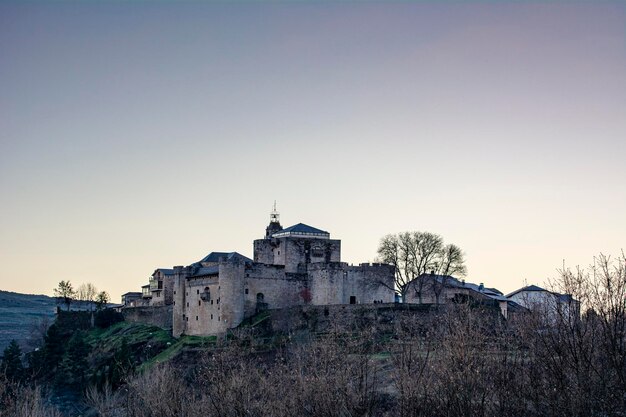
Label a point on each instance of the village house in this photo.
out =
(442, 289)
(551, 304)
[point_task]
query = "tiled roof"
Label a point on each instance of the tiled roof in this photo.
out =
(301, 228)
(453, 282)
(216, 256)
(527, 288)
(204, 271)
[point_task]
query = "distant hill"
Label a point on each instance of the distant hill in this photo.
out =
(19, 313)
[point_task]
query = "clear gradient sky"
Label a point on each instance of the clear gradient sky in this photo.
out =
(137, 135)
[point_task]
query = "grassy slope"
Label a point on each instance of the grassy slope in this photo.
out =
(145, 341)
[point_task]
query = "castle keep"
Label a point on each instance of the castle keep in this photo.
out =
(293, 266)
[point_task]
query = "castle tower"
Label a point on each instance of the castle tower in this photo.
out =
(274, 225)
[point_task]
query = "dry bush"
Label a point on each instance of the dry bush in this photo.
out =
(17, 400)
(105, 402)
(460, 361)
(160, 392)
(232, 383)
(335, 376)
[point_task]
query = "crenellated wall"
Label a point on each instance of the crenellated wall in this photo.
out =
(287, 271)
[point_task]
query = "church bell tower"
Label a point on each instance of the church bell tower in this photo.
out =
(274, 225)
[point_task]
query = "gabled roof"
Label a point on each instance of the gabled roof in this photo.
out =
(453, 282)
(301, 229)
(204, 271)
(527, 288)
(216, 256)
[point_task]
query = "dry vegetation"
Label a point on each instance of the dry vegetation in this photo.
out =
(462, 362)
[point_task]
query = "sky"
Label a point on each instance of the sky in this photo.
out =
(138, 135)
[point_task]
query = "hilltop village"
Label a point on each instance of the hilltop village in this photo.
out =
(293, 266)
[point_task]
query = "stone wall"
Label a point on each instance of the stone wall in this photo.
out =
(347, 318)
(179, 320)
(296, 253)
(370, 283)
(263, 251)
(232, 289)
(201, 308)
(160, 316)
(338, 283)
(270, 287)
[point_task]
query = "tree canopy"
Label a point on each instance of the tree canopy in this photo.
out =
(12, 362)
(65, 293)
(414, 254)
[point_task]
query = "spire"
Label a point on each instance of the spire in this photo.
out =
(274, 216)
(274, 225)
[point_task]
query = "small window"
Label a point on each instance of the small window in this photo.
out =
(211, 302)
(246, 291)
(352, 299)
(211, 316)
(218, 318)
(196, 318)
(199, 302)
(174, 302)
(197, 291)
(187, 304)
(174, 292)
(279, 252)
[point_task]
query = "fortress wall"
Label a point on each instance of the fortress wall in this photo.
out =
(300, 252)
(202, 316)
(160, 316)
(278, 289)
(263, 251)
(178, 300)
(231, 306)
(168, 289)
(364, 282)
(327, 283)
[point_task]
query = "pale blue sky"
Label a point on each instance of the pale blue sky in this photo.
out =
(143, 135)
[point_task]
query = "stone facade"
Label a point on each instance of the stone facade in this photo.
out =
(162, 287)
(443, 289)
(299, 265)
(160, 316)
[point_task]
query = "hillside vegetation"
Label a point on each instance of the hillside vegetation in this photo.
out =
(458, 359)
(21, 316)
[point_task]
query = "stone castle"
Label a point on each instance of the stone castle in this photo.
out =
(292, 266)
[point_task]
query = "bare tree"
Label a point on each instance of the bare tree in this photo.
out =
(414, 254)
(450, 262)
(87, 293)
